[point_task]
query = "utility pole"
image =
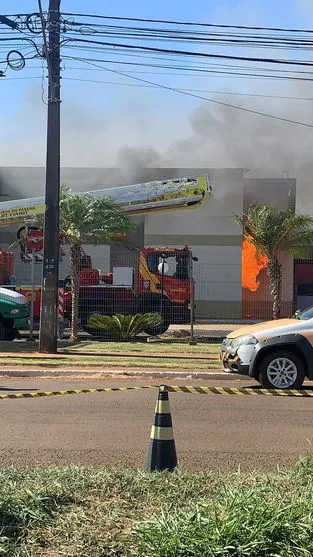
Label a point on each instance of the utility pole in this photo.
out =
(50, 275)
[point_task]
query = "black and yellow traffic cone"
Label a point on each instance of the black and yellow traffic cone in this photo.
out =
(162, 451)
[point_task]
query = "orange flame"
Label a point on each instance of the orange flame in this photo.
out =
(252, 264)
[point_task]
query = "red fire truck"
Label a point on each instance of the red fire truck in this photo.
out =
(161, 283)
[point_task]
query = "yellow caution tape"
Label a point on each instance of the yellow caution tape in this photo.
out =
(75, 392)
(238, 391)
(203, 390)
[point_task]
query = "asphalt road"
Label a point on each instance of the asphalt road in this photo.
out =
(102, 429)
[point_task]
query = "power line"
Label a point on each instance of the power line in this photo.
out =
(181, 36)
(195, 54)
(172, 59)
(189, 23)
(25, 58)
(232, 93)
(220, 73)
(205, 72)
(17, 15)
(185, 71)
(93, 44)
(221, 103)
(170, 65)
(24, 77)
(278, 97)
(174, 22)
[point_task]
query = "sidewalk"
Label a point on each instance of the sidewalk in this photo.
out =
(213, 330)
(211, 326)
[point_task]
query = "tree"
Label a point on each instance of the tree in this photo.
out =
(87, 220)
(274, 232)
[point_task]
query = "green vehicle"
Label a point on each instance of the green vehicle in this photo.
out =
(14, 313)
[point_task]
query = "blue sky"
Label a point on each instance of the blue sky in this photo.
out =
(98, 119)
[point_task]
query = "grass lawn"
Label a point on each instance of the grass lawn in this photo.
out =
(102, 347)
(109, 362)
(84, 512)
(113, 354)
(159, 347)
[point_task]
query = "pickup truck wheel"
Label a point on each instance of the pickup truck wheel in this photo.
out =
(281, 370)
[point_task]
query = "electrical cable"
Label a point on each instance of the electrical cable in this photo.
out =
(221, 103)
(278, 97)
(189, 68)
(231, 93)
(196, 54)
(205, 72)
(174, 22)
(151, 34)
(181, 35)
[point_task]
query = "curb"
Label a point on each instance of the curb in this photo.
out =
(120, 373)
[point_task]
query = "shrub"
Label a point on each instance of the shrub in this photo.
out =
(124, 327)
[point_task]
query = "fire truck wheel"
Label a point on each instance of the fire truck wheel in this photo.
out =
(98, 333)
(159, 330)
(152, 304)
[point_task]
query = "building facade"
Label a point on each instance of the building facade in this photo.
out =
(211, 231)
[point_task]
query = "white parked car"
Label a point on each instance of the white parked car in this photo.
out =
(278, 354)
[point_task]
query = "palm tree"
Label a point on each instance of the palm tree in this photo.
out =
(85, 220)
(274, 232)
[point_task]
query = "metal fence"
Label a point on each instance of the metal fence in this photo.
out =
(171, 282)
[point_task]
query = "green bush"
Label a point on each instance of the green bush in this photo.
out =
(124, 327)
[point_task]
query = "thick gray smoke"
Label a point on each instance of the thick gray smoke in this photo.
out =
(226, 137)
(7, 190)
(134, 163)
(221, 137)
(212, 136)
(267, 147)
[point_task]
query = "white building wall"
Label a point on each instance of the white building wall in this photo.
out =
(215, 238)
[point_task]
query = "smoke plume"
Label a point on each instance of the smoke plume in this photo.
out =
(221, 137)
(138, 136)
(135, 162)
